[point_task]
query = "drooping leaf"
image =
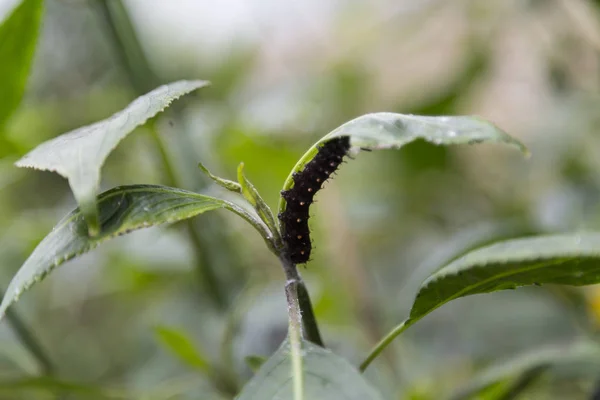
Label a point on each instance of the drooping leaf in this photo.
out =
(326, 377)
(122, 210)
(180, 345)
(568, 259)
(18, 37)
(584, 352)
(392, 131)
(79, 155)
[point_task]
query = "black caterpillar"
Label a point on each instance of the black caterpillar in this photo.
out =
(294, 220)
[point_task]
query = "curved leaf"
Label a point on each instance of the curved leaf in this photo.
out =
(569, 259)
(392, 131)
(327, 377)
(18, 37)
(560, 259)
(78, 155)
(122, 210)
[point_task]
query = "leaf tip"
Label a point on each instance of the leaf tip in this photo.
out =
(203, 168)
(240, 173)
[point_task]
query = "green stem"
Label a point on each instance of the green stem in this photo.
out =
(30, 342)
(311, 329)
(383, 343)
(295, 335)
(129, 51)
(141, 77)
(309, 321)
(207, 276)
(164, 155)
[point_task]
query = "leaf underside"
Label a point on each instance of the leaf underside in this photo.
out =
(392, 131)
(79, 155)
(326, 377)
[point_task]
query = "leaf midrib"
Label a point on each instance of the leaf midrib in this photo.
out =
(458, 294)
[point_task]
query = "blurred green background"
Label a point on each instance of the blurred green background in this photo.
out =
(284, 74)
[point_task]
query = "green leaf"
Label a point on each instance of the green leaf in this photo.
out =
(224, 183)
(568, 259)
(531, 363)
(254, 362)
(60, 387)
(327, 377)
(180, 345)
(122, 210)
(251, 194)
(560, 259)
(79, 155)
(18, 37)
(392, 131)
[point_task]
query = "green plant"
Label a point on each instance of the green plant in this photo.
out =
(303, 367)
(79, 155)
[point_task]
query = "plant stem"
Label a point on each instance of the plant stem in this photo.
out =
(164, 155)
(309, 322)
(311, 329)
(295, 335)
(383, 343)
(141, 77)
(129, 51)
(30, 342)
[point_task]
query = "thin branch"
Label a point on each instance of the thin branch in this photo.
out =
(141, 77)
(311, 329)
(295, 337)
(383, 343)
(309, 321)
(29, 341)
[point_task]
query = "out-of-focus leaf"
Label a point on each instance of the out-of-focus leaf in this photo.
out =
(445, 100)
(18, 37)
(587, 353)
(182, 347)
(57, 386)
(79, 155)
(122, 210)
(568, 259)
(254, 362)
(326, 377)
(392, 131)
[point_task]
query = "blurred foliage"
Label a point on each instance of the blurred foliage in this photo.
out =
(281, 78)
(18, 37)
